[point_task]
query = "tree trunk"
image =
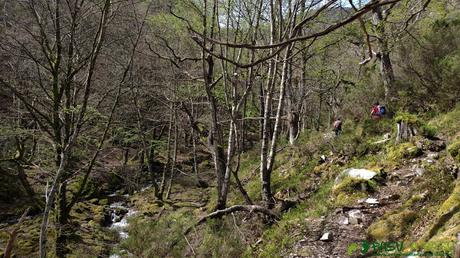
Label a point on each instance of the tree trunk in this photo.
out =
(262, 109)
(243, 192)
(195, 162)
(168, 159)
(62, 227)
(405, 131)
(457, 247)
(150, 165)
(386, 67)
(293, 126)
(268, 198)
(38, 203)
(265, 173)
(215, 140)
(174, 159)
(50, 202)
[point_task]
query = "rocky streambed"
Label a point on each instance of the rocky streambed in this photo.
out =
(117, 219)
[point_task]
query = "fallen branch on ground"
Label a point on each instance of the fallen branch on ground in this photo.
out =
(235, 208)
(13, 234)
(226, 211)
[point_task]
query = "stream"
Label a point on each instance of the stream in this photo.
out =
(117, 219)
(119, 212)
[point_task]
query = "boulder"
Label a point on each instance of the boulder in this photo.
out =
(419, 171)
(343, 220)
(371, 201)
(433, 155)
(355, 173)
(355, 217)
(437, 146)
(431, 145)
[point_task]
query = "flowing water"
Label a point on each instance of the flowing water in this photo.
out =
(119, 214)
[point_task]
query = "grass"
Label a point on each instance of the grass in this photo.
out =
(296, 171)
(454, 149)
(155, 238)
(393, 226)
(447, 124)
(279, 238)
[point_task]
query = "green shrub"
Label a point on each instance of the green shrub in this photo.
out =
(352, 185)
(392, 226)
(149, 238)
(403, 151)
(428, 131)
(410, 119)
(448, 123)
(221, 239)
(454, 149)
(372, 127)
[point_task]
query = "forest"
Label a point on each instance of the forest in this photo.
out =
(229, 128)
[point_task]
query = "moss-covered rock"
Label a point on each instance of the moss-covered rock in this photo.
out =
(392, 226)
(454, 149)
(403, 151)
(348, 199)
(352, 185)
(451, 202)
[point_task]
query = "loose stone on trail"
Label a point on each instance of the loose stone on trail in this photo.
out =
(326, 237)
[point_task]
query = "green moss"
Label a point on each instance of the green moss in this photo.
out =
(351, 189)
(403, 151)
(344, 199)
(428, 131)
(408, 118)
(440, 245)
(319, 203)
(279, 238)
(454, 149)
(220, 239)
(448, 123)
(392, 226)
(167, 230)
(451, 202)
(371, 127)
(415, 199)
(352, 185)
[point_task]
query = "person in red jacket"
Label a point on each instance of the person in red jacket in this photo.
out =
(375, 111)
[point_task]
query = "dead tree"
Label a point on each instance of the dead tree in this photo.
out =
(405, 131)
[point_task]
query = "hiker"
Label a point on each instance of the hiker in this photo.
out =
(338, 126)
(376, 111)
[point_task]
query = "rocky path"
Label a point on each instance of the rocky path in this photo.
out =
(332, 235)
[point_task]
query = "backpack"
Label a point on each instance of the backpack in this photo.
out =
(382, 110)
(337, 124)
